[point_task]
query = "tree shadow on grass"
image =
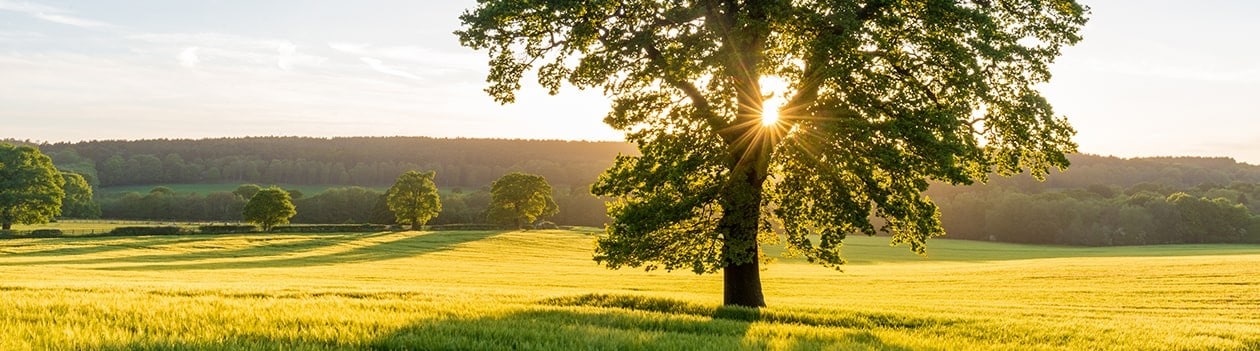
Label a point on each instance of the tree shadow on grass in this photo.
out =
(618, 322)
(89, 246)
(376, 247)
(266, 248)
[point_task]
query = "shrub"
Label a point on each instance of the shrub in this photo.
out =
(130, 231)
(465, 226)
(330, 228)
(45, 233)
(227, 229)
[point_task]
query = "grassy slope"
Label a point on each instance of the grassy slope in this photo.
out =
(540, 290)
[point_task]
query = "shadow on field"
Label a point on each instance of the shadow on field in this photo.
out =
(325, 251)
(262, 247)
(90, 246)
(615, 322)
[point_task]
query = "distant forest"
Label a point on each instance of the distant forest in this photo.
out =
(367, 161)
(1098, 201)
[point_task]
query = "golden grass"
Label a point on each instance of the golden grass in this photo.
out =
(540, 290)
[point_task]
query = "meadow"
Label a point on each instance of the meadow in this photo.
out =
(540, 290)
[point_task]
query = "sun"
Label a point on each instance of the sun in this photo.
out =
(770, 111)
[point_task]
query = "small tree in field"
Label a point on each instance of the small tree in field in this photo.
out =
(269, 207)
(78, 202)
(30, 186)
(414, 199)
(521, 198)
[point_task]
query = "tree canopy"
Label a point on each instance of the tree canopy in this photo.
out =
(521, 198)
(30, 186)
(247, 191)
(269, 207)
(877, 98)
(414, 199)
(78, 202)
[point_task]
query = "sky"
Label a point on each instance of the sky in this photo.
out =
(1151, 78)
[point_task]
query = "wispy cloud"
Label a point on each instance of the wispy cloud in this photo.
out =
(50, 14)
(432, 60)
(188, 57)
(70, 20)
(233, 49)
(380, 66)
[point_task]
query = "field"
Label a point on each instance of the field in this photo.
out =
(540, 291)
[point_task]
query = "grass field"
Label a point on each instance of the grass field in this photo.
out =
(540, 291)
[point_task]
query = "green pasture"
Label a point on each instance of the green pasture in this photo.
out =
(539, 290)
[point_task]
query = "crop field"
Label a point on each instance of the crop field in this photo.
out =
(539, 290)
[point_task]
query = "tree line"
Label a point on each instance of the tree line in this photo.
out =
(364, 161)
(1098, 201)
(1103, 201)
(1104, 215)
(340, 205)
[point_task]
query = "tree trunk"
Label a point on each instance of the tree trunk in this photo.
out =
(8, 225)
(415, 224)
(741, 204)
(742, 285)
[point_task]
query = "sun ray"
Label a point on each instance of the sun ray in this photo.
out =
(770, 111)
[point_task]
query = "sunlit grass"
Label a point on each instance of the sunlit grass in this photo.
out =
(540, 290)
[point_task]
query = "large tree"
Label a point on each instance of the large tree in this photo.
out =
(414, 199)
(269, 207)
(521, 198)
(30, 186)
(876, 98)
(78, 202)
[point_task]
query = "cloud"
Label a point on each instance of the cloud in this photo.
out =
(188, 57)
(50, 14)
(233, 49)
(25, 7)
(73, 21)
(434, 61)
(380, 66)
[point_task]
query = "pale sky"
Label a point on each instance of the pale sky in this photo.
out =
(1151, 77)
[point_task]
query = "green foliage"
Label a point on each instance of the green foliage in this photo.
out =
(343, 205)
(414, 199)
(882, 96)
(78, 202)
(269, 207)
(147, 230)
(45, 233)
(246, 191)
(30, 186)
(331, 228)
(342, 161)
(226, 229)
(520, 199)
(1073, 216)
